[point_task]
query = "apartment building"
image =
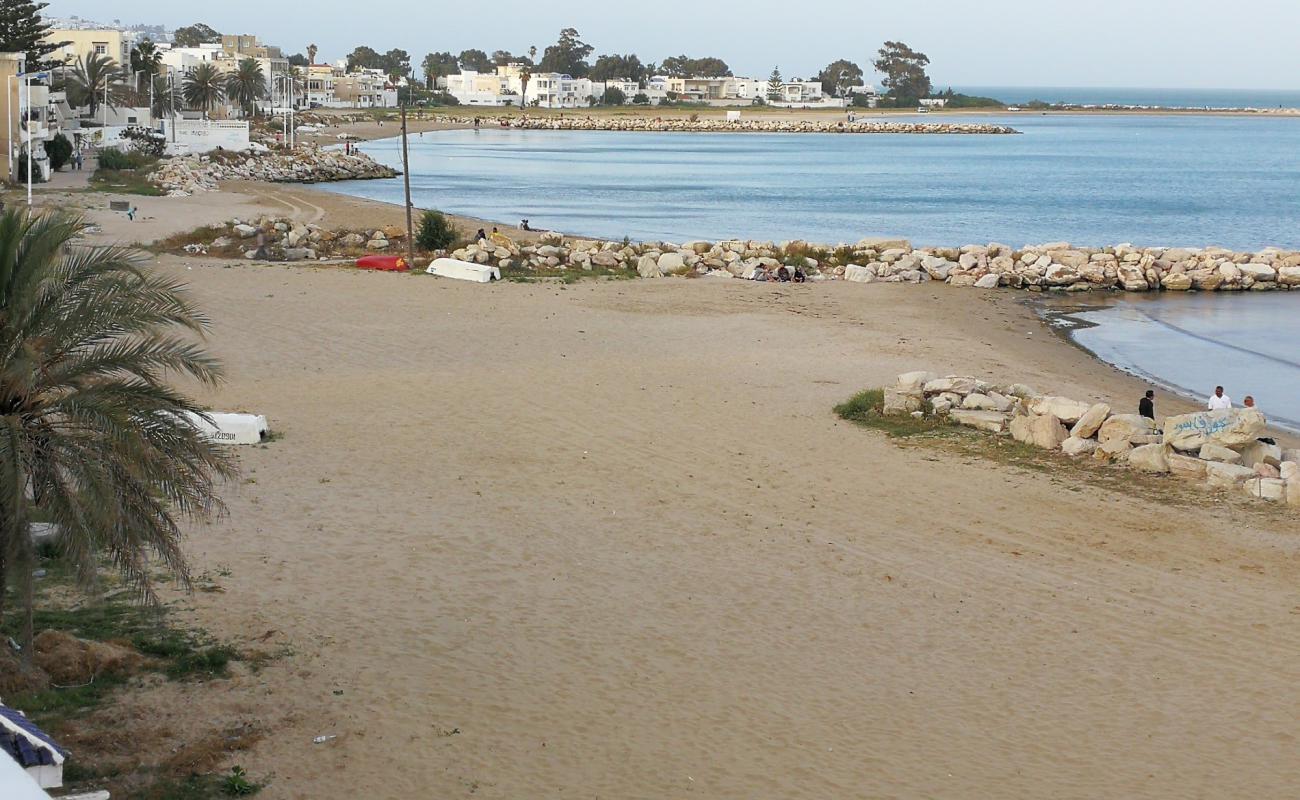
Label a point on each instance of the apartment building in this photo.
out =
(81, 43)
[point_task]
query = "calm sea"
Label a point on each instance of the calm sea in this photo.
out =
(1155, 180)
(1193, 342)
(1163, 98)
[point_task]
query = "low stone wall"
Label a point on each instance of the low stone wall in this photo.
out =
(185, 175)
(1049, 267)
(1220, 449)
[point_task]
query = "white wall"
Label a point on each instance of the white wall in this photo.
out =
(200, 136)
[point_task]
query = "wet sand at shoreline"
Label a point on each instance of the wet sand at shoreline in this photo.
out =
(608, 540)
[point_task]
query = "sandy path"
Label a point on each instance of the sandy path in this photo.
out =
(608, 541)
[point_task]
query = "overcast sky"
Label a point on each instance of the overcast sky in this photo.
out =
(1139, 43)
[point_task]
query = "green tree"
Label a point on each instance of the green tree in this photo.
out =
(435, 233)
(610, 67)
(568, 55)
(195, 35)
(246, 85)
(23, 30)
(203, 88)
(501, 58)
(364, 58)
(59, 151)
(396, 63)
(96, 440)
(687, 67)
(438, 65)
(904, 71)
(838, 76)
(613, 96)
(92, 77)
(298, 60)
(774, 81)
(146, 62)
(165, 99)
(474, 61)
(640, 99)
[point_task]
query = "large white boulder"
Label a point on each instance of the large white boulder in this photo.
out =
(1125, 427)
(1185, 467)
(647, 266)
(1063, 408)
(671, 263)
(1217, 452)
(1074, 446)
(1149, 458)
(899, 403)
(1227, 475)
(914, 382)
(1236, 428)
(1091, 421)
(984, 420)
(859, 274)
(957, 384)
(1048, 432)
(1272, 489)
(1258, 452)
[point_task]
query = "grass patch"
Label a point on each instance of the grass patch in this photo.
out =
(563, 275)
(126, 181)
(866, 409)
(204, 237)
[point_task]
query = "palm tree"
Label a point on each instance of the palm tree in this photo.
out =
(90, 77)
(165, 98)
(246, 85)
(525, 75)
(203, 87)
(146, 60)
(92, 436)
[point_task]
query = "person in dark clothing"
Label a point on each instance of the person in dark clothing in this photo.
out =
(480, 237)
(783, 275)
(1147, 405)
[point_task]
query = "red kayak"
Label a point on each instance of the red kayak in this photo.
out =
(386, 263)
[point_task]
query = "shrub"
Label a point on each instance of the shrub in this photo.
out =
(145, 141)
(613, 96)
(640, 99)
(112, 158)
(59, 150)
(20, 176)
(436, 232)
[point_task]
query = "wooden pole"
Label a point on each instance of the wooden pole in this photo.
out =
(406, 179)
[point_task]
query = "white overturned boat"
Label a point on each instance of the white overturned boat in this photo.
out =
(463, 270)
(232, 428)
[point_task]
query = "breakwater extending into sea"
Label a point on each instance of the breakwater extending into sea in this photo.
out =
(715, 124)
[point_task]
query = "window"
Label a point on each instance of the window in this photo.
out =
(101, 48)
(131, 121)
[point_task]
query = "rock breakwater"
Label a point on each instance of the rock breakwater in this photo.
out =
(185, 175)
(1217, 449)
(715, 125)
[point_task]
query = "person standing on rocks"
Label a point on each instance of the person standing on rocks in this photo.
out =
(1220, 401)
(1147, 405)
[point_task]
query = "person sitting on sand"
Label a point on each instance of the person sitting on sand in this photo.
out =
(1219, 401)
(783, 274)
(481, 236)
(1147, 405)
(760, 274)
(799, 275)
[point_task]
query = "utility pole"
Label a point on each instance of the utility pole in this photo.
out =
(31, 140)
(406, 180)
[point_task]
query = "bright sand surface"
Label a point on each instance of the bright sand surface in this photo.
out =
(608, 540)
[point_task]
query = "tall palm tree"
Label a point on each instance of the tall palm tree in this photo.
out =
(165, 99)
(90, 77)
(246, 85)
(146, 61)
(203, 87)
(525, 75)
(92, 436)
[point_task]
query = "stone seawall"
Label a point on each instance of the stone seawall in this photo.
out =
(1048, 267)
(713, 125)
(1219, 449)
(185, 175)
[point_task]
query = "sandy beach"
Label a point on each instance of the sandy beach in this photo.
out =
(607, 540)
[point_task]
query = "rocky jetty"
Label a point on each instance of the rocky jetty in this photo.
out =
(716, 125)
(1035, 268)
(1218, 449)
(185, 175)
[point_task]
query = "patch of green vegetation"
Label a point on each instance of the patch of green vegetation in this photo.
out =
(202, 662)
(50, 706)
(191, 787)
(866, 409)
(237, 784)
(563, 275)
(124, 182)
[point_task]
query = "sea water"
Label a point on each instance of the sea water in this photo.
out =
(1090, 179)
(1247, 342)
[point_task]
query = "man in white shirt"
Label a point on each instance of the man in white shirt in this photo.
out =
(1220, 401)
